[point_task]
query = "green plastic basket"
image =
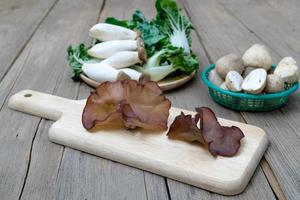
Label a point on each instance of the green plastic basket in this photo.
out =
(247, 102)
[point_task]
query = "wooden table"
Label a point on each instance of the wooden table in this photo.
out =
(34, 36)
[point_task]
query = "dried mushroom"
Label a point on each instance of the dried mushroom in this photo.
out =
(205, 128)
(127, 103)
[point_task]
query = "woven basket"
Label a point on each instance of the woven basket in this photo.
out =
(247, 102)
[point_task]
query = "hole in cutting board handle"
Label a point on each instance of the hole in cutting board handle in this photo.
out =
(28, 95)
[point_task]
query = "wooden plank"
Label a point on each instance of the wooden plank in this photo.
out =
(24, 147)
(272, 179)
(288, 9)
(255, 189)
(17, 26)
(83, 176)
(113, 180)
(283, 149)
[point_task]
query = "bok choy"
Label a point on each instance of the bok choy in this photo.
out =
(166, 40)
(167, 61)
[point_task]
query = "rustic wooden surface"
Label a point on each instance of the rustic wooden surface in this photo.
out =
(33, 38)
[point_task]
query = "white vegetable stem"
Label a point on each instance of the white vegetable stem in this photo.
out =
(179, 39)
(123, 59)
(106, 32)
(159, 73)
(101, 72)
(133, 74)
(105, 49)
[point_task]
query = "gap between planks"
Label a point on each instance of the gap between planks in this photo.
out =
(272, 179)
(29, 158)
(33, 140)
(268, 172)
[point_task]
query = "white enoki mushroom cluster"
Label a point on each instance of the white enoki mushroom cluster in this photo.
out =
(119, 49)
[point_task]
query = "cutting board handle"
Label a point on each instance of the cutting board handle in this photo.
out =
(39, 104)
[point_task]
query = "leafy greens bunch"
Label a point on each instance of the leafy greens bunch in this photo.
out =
(77, 56)
(166, 37)
(167, 33)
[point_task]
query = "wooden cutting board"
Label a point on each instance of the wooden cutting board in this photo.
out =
(186, 162)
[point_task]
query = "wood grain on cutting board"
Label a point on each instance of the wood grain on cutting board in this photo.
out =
(154, 152)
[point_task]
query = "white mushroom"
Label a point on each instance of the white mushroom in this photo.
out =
(106, 32)
(133, 74)
(257, 56)
(101, 72)
(247, 71)
(125, 59)
(105, 49)
(223, 86)
(255, 82)
(234, 81)
(215, 78)
(288, 70)
(274, 83)
(230, 62)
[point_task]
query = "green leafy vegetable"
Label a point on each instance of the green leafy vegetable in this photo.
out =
(168, 60)
(172, 23)
(123, 23)
(169, 26)
(153, 38)
(77, 56)
(166, 37)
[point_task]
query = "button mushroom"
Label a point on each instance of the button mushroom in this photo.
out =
(288, 70)
(215, 78)
(234, 81)
(274, 83)
(247, 71)
(230, 62)
(106, 32)
(257, 56)
(255, 82)
(223, 86)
